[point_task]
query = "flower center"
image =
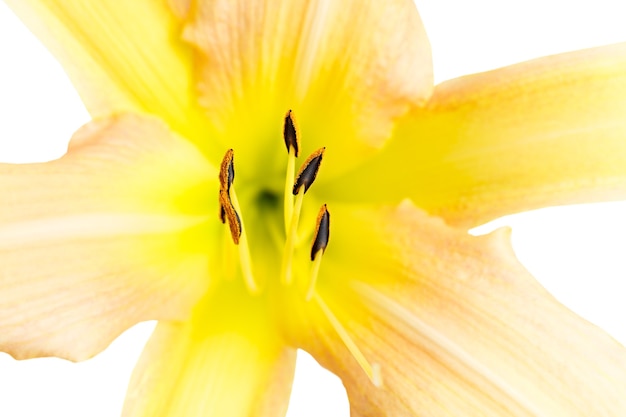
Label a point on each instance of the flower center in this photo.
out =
(296, 187)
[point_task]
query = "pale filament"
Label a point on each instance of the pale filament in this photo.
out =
(371, 370)
(315, 270)
(288, 200)
(292, 232)
(244, 250)
(228, 260)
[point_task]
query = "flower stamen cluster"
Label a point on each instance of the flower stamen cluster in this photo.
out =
(230, 212)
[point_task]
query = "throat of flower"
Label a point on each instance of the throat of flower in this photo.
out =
(296, 186)
(231, 213)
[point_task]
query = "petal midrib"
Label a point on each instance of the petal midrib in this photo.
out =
(92, 225)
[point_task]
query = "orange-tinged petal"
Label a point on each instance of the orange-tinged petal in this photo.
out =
(345, 68)
(100, 239)
(121, 56)
(546, 132)
(456, 324)
(180, 8)
(226, 361)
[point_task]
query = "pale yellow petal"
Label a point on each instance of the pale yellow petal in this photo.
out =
(102, 238)
(346, 69)
(457, 325)
(121, 56)
(547, 132)
(227, 361)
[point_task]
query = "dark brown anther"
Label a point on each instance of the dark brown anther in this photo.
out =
(290, 133)
(222, 213)
(308, 172)
(227, 171)
(322, 232)
(230, 214)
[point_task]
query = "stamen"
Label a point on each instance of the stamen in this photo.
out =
(227, 171)
(292, 142)
(229, 261)
(229, 211)
(291, 238)
(322, 234)
(244, 251)
(222, 213)
(308, 172)
(305, 178)
(371, 370)
(315, 270)
(290, 134)
(288, 196)
(230, 214)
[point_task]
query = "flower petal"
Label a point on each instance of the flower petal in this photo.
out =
(346, 69)
(180, 8)
(457, 325)
(120, 56)
(100, 239)
(226, 361)
(546, 132)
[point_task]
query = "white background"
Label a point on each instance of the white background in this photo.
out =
(578, 253)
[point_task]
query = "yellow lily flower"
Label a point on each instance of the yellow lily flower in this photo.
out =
(416, 316)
